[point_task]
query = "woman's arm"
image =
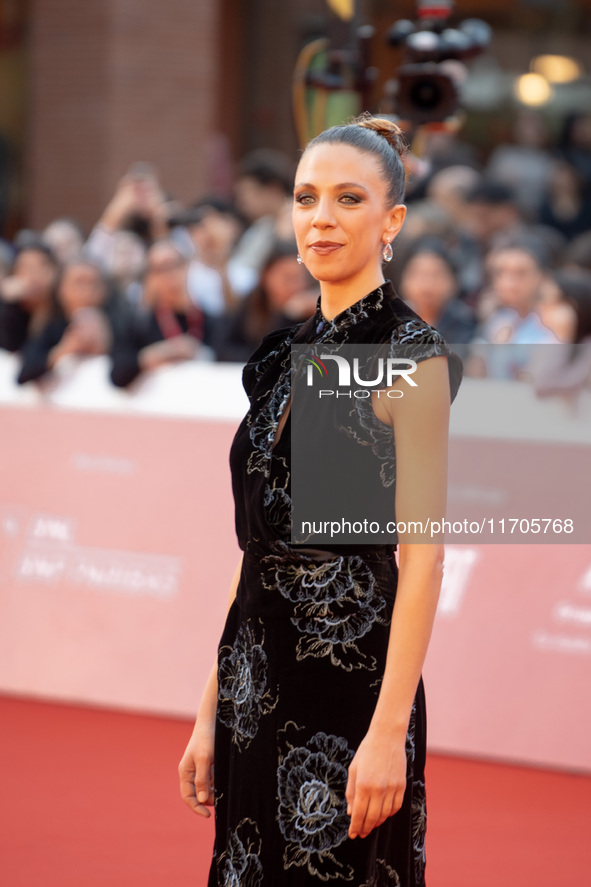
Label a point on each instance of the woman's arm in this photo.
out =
(196, 766)
(377, 775)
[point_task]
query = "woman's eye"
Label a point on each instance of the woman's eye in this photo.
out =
(350, 198)
(303, 198)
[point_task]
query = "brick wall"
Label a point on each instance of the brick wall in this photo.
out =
(112, 82)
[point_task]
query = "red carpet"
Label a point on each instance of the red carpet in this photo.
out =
(90, 797)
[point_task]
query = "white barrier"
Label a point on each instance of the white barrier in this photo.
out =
(117, 547)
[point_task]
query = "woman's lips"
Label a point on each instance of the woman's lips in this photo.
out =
(325, 247)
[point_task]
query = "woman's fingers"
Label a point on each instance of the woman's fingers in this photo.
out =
(370, 806)
(350, 790)
(358, 812)
(187, 781)
(204, 779)
(196, 782)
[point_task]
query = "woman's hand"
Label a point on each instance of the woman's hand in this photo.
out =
(377, 781)
(196, 769)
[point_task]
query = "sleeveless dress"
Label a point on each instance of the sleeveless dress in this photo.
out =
(303, 651)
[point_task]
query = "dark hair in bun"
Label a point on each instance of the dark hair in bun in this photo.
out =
(375, 135)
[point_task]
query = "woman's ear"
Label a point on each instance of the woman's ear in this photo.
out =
(395, 220)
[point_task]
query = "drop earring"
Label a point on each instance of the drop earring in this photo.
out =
(387, 252)
(299, 259)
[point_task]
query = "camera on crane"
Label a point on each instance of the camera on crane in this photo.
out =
(426, 84)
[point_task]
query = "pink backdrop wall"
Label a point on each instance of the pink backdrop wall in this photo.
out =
(117, 547)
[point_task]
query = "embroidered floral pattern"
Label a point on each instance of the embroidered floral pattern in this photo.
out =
(277, 501)
(312, 816)
(419, 828)
(324, 618)
(239, 865)
(243, 694)
(413, 340)
(371, 431)
(361, 310)
(335, 604)
(384, 876)
(411, 737)
(263, 430)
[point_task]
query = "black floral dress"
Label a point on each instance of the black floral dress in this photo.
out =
(303, 652)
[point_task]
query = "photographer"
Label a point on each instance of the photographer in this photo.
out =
(140, 210)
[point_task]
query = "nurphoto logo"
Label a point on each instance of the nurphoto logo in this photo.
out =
(387, 372)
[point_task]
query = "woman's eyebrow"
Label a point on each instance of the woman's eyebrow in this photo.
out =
(337, 187)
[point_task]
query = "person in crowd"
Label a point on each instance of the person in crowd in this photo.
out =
(167, 327)
(65, 237)
(283, 297)
(519, 274)
(217, 280)
(448, 189)
(6, 259)
(27, 295)
(424, 218)
(566, 310)
(429, 284)
(574, 145)
(263, 189)
(566, 203)
(140, 205)
(578, 253)
(126, 264)
(492, 211)
(87, 310)
(439, 149)
(525, 165)
(518, 270)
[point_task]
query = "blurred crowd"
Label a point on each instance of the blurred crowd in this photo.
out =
(494, 251)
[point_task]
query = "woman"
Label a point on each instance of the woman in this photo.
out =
(565, 368)
(166, 327)
(429, 284)
(282, 297)
(566, 203)
(82, 325)
(27, 296)
(319, 739)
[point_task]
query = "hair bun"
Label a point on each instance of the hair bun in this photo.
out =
(385, 128)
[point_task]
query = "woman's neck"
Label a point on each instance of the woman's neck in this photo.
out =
(337, 296)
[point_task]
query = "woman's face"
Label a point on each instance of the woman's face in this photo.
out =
(38, 270)
(427, 282)
(340, 215)
(81, 286)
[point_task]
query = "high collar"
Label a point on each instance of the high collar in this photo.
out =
(360, 310)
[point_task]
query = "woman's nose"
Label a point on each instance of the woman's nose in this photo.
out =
(324, 215)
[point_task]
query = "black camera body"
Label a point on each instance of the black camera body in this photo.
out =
(425, 93)
(426, 85)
